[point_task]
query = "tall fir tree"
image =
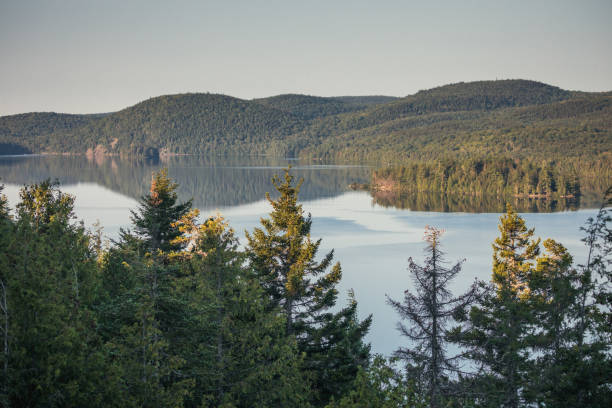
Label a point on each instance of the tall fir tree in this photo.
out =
(283, 257)
(236, 347)
(552, 300)
(6, 236)
(55, 354)
(429, 309)
(141, 309)
(157, 212)
(497, 330)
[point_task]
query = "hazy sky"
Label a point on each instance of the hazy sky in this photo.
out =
(84, 56)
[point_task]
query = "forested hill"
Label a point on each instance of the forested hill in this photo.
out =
(509, 117)
(310, 107)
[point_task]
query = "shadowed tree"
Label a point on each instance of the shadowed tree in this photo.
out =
(497, 329)
(429, 310)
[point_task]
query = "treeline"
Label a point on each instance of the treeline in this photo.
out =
(489, 176)
(175, 314)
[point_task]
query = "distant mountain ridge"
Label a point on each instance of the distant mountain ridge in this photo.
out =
(517, 117)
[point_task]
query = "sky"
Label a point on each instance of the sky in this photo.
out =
(86, 56)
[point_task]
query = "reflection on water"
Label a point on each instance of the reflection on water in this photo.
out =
(215, 182)
(211, 182)
(427, 201)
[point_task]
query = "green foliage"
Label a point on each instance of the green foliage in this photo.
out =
(496, 336)
(283, 258)
(381, 386)
(487, 176)
(243, 357)
(487, 118)
(158, 211)
(537, 336)
(308, 107)
(52, 354)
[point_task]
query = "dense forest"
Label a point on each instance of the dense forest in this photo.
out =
(175, 313)
(486, 121)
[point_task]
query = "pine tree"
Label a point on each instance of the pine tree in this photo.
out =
(498, 327)
(282, 255)
(430, 310)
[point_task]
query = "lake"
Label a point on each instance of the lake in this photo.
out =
(372, 236)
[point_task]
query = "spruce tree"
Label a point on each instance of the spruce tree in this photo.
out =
(381, 386)
(142, 315)
(429, 310)
(56, 356)
(283, 257)
(157, 212)
(6, 236)
(552, 301)
(593, 332)
(236, 347)
(498, 328)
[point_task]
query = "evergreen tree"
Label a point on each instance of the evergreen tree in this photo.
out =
(498, 328)
(572, 327)
(142, 315)
(430, 310)
(552, 300)
(158, 211)
(54, 354)
(236, 348)
(6, 232)
(591, 361)
(283, 256)
(151, 371)
(381, 386)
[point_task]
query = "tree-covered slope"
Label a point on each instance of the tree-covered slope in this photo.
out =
(479, 96)
(513, 117)
(32, 131)
(190, 123)
(186, 123)
(364, 101)
(581, 126)
(308, 107)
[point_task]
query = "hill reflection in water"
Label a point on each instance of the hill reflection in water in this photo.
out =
(215, 182)
(211, 182)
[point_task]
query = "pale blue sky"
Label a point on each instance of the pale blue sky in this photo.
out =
(83, 56)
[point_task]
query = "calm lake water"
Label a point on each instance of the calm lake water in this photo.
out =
(372, 236)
